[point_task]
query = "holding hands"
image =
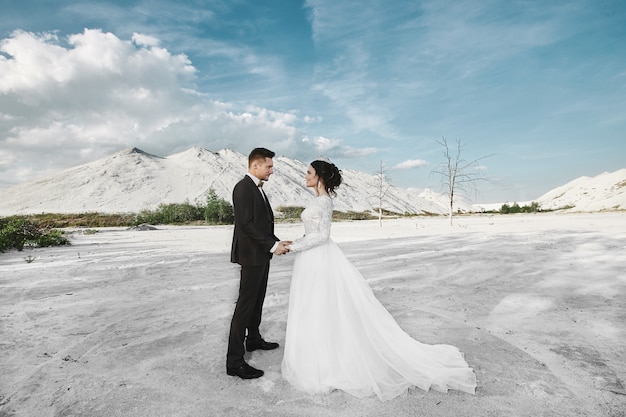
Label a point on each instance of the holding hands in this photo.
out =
(283, 247)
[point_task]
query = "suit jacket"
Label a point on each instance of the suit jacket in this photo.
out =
(253, 236)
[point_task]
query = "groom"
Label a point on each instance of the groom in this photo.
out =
(254, 243)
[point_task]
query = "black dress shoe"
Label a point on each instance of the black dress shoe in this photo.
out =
(260, 344)
(245, 371)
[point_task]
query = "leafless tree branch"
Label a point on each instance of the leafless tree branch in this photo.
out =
(457, 174)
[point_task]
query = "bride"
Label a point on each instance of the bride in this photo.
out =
(339, 336)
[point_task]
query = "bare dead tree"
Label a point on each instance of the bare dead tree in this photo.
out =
(382, 188)
(457, 174)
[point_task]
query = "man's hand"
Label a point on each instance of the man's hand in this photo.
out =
(283, 247)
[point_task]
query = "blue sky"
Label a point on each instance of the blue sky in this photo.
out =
(538, 85)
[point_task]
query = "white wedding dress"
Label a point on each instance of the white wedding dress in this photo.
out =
(339, 336)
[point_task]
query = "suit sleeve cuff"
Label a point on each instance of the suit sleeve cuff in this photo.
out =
(274, 247)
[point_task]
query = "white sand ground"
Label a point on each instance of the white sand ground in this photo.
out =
(134, 323)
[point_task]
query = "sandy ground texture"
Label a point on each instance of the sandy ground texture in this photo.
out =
(134, 323)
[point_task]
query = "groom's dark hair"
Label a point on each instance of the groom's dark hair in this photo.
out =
(259, 153)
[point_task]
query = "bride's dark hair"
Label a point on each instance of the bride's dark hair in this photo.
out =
(329, 173)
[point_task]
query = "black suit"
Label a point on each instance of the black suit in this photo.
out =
(253, 238)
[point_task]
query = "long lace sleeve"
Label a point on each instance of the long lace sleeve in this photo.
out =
(317, 218)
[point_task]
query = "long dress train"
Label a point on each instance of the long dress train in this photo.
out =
(339, 336)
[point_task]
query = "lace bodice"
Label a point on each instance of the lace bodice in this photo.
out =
(317, 217)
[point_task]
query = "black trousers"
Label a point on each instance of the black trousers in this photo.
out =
(248, 310)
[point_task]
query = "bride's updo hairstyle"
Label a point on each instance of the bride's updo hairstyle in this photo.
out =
(328, 173)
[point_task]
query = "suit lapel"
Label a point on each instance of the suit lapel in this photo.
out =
(267, 203)
(263, 197)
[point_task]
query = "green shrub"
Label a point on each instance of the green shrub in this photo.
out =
(533, 208)
(218, 210)
(17, 232)
(515, 208)
(180, 213)
(175, 213)
(52, 238)
(147, 217)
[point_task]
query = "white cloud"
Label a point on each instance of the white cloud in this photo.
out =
(335, 148)
(6, 157)
(312, 119)
(145, 40)
(324, 145)
(93, 94)
(411, 163)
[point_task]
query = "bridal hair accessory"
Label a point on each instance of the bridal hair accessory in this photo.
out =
(329, 162)
(324, 159)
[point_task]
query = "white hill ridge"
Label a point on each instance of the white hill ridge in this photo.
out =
(133, 180)
(603, 192)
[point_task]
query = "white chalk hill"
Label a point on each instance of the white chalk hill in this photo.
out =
(133, 180)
